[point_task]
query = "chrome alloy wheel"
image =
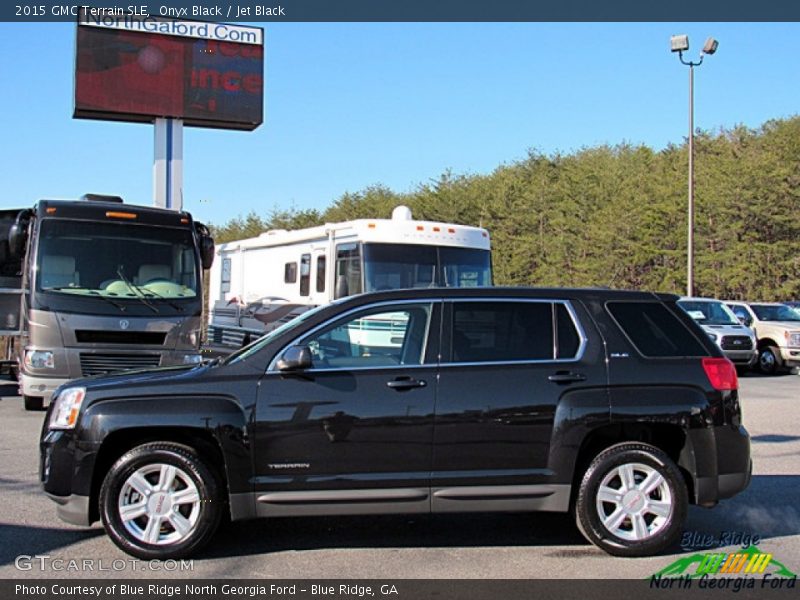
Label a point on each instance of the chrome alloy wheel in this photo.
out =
(634, 502)
(766, 361)
(159, 504)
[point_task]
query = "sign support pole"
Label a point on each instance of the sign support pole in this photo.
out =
(168, 164)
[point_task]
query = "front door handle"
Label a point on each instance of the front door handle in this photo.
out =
(566, 377)
(406, 383)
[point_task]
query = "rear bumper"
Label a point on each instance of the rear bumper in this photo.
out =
(733, 483)
(733, 469)
(710, 490)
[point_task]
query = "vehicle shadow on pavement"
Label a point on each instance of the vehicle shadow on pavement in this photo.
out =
(8, 389)
(760, 375)
(774, 438)
(32, 541)
(19, 485)
(768, 508)
(427, 531)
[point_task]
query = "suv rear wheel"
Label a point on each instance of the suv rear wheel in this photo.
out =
(160, 501)
(632, 500)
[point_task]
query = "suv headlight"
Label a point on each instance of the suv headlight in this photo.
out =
(192, 359)
(713, 336)
(39, 359)
(67, 407)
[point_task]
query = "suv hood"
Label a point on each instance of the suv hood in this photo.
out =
(130, 380)
(729, 330)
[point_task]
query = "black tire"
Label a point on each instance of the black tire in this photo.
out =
(204, 514)
(33, 402)
(769, 360)
(665, 529)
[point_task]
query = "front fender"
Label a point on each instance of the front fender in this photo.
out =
(216, 418)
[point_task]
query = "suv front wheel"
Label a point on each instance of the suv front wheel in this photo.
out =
(632, 500)
(160, 501)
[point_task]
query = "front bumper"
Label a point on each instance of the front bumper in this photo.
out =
(790, 356)
(73, 509)
(742, 357)
(38, 386)
(65, 472)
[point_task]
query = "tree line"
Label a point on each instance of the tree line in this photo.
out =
(615, 216)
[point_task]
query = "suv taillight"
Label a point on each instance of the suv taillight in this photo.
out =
(721, 373)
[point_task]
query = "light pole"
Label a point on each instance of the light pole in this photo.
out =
(679, 44)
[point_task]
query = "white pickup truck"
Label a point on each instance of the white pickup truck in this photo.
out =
(777, 328)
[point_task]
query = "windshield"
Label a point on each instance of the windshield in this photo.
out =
(257, 345)
(709, 313)
(775, 312)
(398, 266)
(116, 261)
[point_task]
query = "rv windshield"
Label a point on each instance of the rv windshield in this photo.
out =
(397, 266)
(116, 261)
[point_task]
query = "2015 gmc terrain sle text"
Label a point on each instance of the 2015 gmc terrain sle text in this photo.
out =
(615, 405)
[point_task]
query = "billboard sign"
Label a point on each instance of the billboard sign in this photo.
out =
(138, 68)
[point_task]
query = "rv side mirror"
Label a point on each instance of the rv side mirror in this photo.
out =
(206, 243)
(296, 358)
(207, 251)
(18, 234)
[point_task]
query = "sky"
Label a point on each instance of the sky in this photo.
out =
(352, 105)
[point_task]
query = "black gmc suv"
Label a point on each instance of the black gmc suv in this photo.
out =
(615, 405)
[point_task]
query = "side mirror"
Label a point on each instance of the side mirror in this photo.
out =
(18, 234)
(296, 358)
(207, 251)
(746, 321)
(206, 243)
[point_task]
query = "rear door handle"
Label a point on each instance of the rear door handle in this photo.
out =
(566, 377)
(406, 383)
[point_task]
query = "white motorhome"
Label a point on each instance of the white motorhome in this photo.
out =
(260, 283)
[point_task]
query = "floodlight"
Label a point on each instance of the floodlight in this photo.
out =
(679, 43)
(711, 46)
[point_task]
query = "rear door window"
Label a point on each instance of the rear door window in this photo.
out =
(502, 331)
(654, 330)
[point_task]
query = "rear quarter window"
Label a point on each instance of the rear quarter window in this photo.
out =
(654, 330)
